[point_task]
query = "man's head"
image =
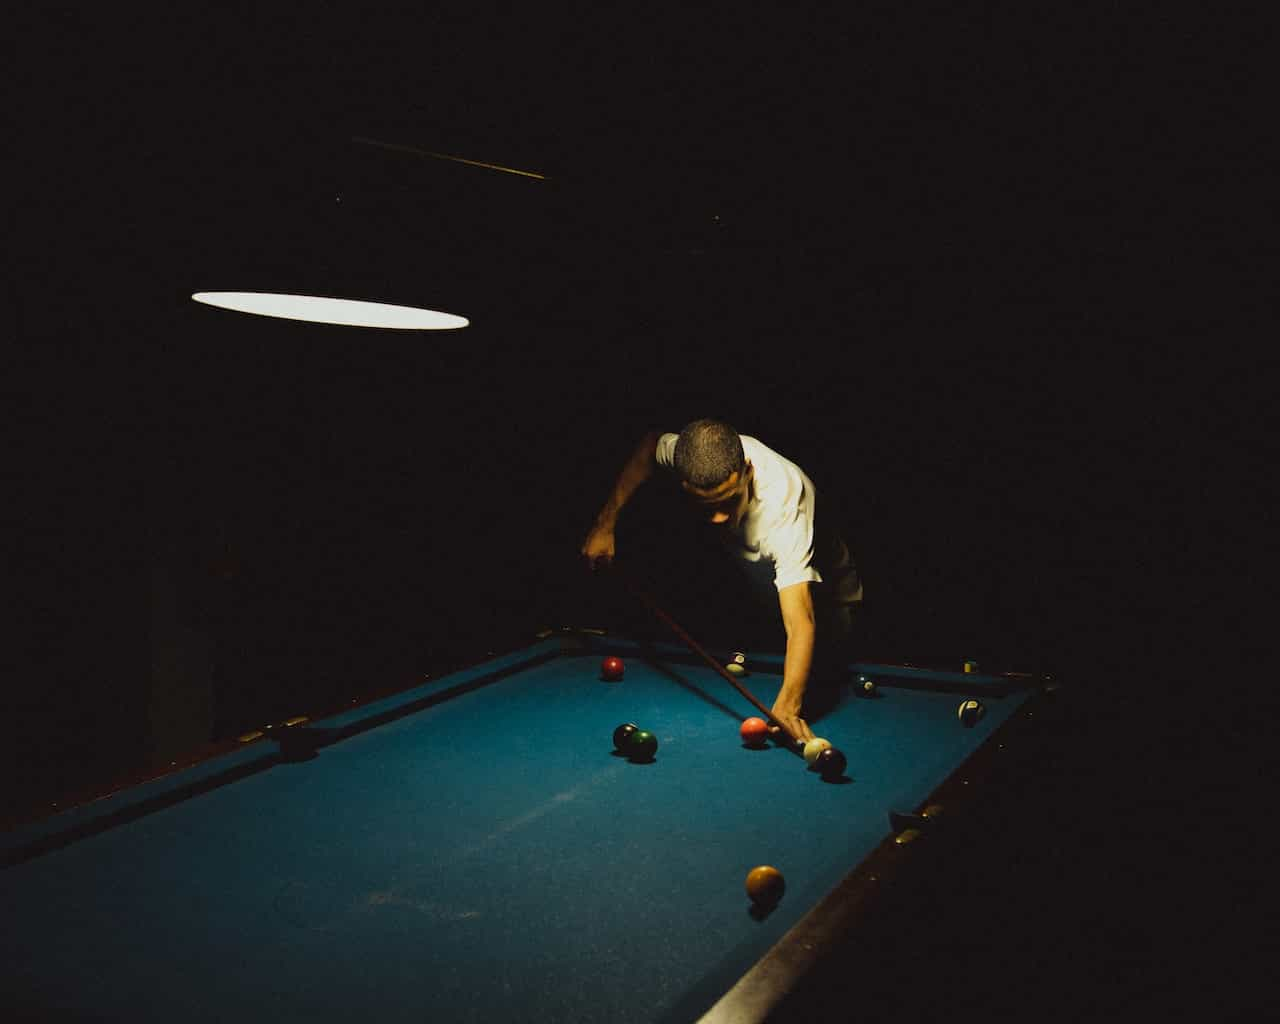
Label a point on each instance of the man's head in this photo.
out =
(713, 471)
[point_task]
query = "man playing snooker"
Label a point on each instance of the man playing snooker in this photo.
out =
(764, 509)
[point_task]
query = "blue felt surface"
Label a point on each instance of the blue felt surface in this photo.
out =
(485, 858)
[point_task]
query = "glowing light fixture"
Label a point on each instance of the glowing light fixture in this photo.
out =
(344, 312)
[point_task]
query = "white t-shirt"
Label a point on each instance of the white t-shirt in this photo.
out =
(779, 541)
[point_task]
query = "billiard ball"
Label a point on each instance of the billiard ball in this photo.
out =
(754, 731)
(733, 668)
(739, 659)
(611, 669)
(765, 885)
(813, 748)
(624, 733)
(866, 686)
(830, 763)
(970, 711)
(642, 745)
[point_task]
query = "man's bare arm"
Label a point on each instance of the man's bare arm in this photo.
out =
(599, 543)
(796, 603)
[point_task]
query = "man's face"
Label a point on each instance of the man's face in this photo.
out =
(724, 504)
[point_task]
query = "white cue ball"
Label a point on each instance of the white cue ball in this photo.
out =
(813, 748)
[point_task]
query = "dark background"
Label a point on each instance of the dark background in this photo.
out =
(990, 278)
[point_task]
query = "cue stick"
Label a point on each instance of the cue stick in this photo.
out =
(694, 646)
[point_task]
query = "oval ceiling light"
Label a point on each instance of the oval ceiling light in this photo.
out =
(344, 312)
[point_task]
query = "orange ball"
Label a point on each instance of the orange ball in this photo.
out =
(765, 885)
(754, 731)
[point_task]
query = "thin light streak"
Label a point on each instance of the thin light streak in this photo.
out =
(446, 156)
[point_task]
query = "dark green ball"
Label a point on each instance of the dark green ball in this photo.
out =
(642, 745)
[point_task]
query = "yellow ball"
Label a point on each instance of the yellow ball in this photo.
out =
(735, 668)
(813, 748)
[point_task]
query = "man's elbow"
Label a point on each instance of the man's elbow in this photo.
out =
(798, 624)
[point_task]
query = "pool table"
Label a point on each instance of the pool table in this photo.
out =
(474, 849)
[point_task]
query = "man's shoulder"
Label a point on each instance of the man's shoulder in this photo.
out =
(754, 449)
(768, 461)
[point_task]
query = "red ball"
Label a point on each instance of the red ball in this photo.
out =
(754, 731)
(611, 668)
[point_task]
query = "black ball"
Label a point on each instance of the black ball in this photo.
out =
(830, 763)
(970, 711)
(622, 735)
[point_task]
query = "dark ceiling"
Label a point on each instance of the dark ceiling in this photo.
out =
(866, 139)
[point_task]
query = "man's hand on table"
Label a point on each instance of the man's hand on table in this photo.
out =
(786, 710)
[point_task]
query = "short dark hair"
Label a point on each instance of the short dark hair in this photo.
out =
(708, 452)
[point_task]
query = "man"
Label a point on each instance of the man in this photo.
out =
(764, 507)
